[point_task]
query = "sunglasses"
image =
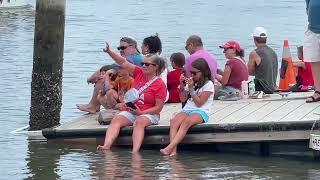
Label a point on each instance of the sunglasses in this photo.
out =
(194, 73)
(147, 64)
(123, 47)
(186, 47)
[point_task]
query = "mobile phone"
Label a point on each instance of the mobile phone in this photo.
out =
(131, 105)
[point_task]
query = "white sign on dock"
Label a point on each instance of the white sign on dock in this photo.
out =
(314, 142)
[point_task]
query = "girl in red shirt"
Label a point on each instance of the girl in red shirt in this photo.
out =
(173, 77)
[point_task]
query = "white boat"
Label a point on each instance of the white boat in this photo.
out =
(12, 3)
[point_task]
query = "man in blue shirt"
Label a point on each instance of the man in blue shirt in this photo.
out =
(311, 45)
(128, 49)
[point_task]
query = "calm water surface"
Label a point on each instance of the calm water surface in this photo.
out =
(88, 24)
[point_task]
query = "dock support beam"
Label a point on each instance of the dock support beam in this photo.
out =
(46, 85)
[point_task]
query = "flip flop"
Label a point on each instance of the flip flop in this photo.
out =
(313, 99)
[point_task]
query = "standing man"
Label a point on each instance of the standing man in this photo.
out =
(194, 46)
(311, 46)
(263, 63)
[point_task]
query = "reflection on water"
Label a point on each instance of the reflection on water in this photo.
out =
(56, 160)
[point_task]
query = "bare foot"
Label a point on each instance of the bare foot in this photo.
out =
(87, 108)
(102, 148)
(173, 154)
(164, 152)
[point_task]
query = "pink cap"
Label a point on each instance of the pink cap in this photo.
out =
(232, 44)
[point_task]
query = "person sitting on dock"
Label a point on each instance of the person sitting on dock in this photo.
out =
(147, 100)
(177, 63)
(112, 94)
(263, 63)
(105, 74)
(195, 48)
(152, 45)
(304, 77)
(199, 96)
(234, 73)
(128, 49)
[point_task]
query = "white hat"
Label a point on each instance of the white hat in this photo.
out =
(260, 32)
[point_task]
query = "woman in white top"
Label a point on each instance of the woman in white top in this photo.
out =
(198, 91)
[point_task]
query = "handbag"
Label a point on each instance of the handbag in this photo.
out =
(132, 95)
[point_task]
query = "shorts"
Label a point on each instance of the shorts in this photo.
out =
(153, 118)
(311, 47)
(204, 115)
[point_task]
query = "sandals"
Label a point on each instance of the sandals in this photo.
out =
(312, 99)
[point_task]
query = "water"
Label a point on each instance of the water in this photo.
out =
(88, 24)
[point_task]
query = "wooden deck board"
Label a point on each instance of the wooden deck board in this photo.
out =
(300, 112)
(218, 117)
(240, 116)
(271, 109)
(283, 111)
(263, 111)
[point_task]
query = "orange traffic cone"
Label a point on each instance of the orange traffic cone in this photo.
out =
(287, 76)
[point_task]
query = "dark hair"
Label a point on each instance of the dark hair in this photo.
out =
(105, 68)
(240, 53)
(203, 67)
(178, 59)
(159, 61)
(154, 44)
(195, 40)
(300, 50)
(260, 40)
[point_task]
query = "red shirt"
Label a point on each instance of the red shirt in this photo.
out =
(157, 90)
(306, 75)
(239, 72)
(173, 83)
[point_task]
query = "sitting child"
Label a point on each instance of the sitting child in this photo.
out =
(304, 77)
(199, 95)
(110, 96)
(98, 79)
(177, 62)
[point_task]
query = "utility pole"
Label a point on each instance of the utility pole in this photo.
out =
(46, 85)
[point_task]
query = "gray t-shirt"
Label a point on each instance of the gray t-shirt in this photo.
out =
(267, 70)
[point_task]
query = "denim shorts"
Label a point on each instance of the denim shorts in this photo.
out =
(203, 114)
(153, 118)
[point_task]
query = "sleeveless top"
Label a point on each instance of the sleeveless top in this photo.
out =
(267, 70)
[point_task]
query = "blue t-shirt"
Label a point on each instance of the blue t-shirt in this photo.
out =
(313, 11)
(135, 59)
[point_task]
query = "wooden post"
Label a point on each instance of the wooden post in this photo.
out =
(46, 85)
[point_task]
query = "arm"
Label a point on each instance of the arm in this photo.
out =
(155, 109)
(254, 59)
(299, 64)
(226, 75)
(119, 59)
(94, 77)
(199, 99)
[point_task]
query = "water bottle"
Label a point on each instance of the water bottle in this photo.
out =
(244, 90)
(252, 88)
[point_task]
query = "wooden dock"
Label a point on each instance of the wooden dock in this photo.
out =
(271, 125)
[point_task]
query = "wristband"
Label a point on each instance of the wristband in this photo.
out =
(193, 93)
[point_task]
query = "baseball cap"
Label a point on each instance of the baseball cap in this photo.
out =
(260, 32)
(232, 44)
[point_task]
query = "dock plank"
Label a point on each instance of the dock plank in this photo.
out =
(263, 111)
(300, 112)
(217, 117)
(283, 111)
(240, 116)
(313, 115)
